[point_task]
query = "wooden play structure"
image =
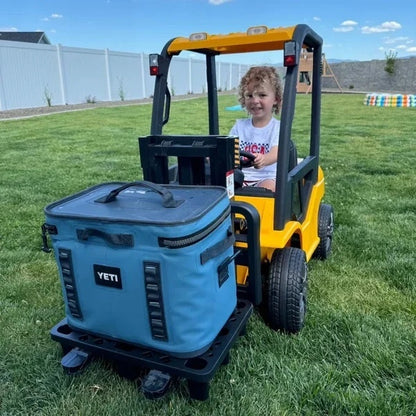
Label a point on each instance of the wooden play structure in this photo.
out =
(304, 84)
(305, 72)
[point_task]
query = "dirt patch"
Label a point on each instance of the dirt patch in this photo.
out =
(42, 111)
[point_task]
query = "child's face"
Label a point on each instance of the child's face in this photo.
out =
(259, 100)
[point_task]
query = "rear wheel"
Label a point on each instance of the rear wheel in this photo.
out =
(325, 231)
(287, 290)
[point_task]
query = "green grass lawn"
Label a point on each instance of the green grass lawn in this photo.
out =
(357, 352)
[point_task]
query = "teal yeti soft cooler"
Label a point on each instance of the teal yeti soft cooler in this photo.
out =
(146, 264)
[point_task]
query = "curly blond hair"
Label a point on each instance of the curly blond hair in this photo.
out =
(260, 75)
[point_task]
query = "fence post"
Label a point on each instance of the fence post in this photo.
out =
(170, 83)
(143, 78)
(219, 74)
(107, 71)
(3, 104)
(190, 75)
(61, 73)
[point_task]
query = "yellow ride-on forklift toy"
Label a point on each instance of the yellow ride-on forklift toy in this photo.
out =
(161, 303)
(276, 233)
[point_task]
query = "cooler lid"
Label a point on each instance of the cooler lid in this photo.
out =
(141, 202)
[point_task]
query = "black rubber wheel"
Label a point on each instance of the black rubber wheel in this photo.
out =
(325, 231)
(287, 290)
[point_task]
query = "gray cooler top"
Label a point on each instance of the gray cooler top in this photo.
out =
(141, 202)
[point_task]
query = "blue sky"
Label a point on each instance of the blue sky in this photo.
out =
(353, 29)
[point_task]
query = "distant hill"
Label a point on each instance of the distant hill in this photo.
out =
(337, 61)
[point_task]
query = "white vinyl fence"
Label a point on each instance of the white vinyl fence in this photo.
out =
(33, 75)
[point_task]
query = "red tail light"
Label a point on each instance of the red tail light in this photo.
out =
(154, 64)
(290, 56)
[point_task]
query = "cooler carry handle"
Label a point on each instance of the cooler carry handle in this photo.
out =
(168, 200)
(218, 248)
(115, 239)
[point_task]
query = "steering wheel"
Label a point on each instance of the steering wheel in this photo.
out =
(246, 159)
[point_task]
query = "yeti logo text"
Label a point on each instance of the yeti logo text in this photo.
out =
(107, 276)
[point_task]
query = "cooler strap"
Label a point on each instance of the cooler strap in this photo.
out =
(47, 229)
(115, 239)
(222, 269)
(218, 248)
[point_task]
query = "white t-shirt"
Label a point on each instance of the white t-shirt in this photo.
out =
(257, 140)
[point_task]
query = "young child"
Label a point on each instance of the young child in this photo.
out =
(260, 93)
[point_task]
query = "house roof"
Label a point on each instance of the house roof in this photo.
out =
(31, 37)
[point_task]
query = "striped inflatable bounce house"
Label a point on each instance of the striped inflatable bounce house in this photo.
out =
(390, 100)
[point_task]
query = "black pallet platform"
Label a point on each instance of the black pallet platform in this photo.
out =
(198, 371)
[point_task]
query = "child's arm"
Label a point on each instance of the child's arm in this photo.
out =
(265, 159)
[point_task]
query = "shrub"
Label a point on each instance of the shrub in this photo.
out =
(390, 62)
(90, 99)
(48, 96)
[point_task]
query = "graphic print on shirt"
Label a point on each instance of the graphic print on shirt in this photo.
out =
(254, 148)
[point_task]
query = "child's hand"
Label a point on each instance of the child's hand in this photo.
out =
(259, 161)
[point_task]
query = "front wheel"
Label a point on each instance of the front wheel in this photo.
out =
(287, 290)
